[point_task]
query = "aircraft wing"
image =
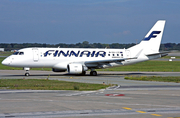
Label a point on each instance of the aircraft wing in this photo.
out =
(108, 60)
(112, 60)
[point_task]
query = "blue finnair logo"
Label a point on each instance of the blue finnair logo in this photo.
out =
(152, 35)
(71, 53)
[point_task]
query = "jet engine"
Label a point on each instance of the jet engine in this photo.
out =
(76, 68)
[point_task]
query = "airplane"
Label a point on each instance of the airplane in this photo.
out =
(80, 60)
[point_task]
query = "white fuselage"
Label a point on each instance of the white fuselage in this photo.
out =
(61, 57)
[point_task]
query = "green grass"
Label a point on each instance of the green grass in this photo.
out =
(149, 66)
(44, 84)
(6, 53)
(169, 57)
(154, 78)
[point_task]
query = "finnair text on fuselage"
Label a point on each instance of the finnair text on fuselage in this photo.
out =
(69, 53)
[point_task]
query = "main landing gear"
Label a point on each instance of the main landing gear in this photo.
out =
(93, 72)
(27, 71)
(83, 73)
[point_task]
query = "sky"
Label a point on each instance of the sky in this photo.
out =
(95, 21)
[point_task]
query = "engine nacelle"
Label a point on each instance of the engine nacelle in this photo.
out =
(57, 70)
(76, 68)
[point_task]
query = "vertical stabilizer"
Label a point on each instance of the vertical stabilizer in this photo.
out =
(151, 42)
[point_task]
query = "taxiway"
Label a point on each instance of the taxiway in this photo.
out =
(108, 77)
(128, 99)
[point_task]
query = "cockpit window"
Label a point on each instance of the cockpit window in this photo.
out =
(21, 53)
(18, 53)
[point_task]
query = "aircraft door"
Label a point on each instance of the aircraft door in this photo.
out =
(128, 55)
(35, 54)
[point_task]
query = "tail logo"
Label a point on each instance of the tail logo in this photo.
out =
(152, 35)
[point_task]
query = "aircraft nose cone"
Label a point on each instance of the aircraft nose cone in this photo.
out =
(5, 62)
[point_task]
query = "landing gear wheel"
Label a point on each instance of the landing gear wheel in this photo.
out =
(83, 73)
(93, 73)
(27, 71)
(27, 74)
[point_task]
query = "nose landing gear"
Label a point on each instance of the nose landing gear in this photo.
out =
(27, 71)
(26, 74)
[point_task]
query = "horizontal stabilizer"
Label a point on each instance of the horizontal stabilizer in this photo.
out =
(160, 53)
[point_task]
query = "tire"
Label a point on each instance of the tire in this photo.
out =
(26, 74)
(93, 73)
(83, 73)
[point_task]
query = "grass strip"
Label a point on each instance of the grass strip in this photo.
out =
(149, 66)
(6, 53)
(154, 78)
(45, 84)
(169, 57)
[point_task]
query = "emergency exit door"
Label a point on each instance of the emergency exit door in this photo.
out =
(128, 55)
(35, 54)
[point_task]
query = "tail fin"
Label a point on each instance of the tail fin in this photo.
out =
(153, 38)
(151, 43)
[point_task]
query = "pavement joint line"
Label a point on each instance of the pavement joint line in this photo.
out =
(156, 114)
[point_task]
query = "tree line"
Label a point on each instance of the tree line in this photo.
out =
(85, 44)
